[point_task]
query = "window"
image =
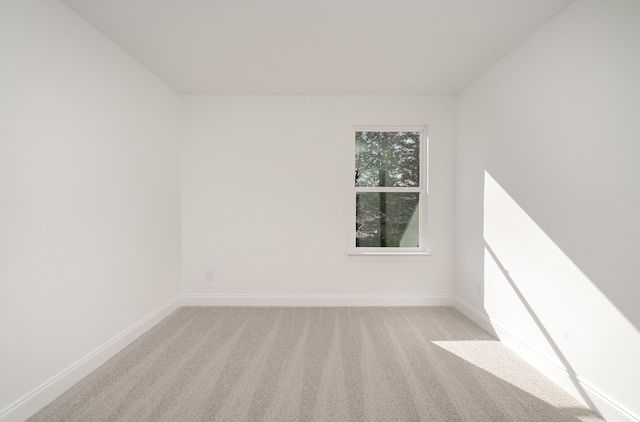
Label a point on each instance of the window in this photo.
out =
(389, 191)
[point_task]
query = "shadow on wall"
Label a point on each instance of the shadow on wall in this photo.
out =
(535, 291)
(558, 353)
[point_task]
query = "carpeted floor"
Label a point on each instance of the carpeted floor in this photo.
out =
(315, 364)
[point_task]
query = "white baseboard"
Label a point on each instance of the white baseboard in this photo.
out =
(600, 403)
(35, 400)
(317, 300)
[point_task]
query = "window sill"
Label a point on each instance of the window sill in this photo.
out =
(388, 256)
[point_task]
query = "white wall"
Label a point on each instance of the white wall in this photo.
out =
(266, 195)
(548, 197)
(89, 193)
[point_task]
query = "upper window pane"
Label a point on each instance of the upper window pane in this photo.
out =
(387, 159)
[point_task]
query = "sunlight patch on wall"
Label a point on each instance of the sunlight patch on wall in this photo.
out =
(534, 290)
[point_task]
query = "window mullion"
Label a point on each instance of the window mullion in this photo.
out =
(387, 189)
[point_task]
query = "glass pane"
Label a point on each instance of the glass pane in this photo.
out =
(388, 159)
(387, 220)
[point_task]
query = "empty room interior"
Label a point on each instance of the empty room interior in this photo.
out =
(331, 210)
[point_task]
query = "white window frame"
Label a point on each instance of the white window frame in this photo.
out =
(391, 253)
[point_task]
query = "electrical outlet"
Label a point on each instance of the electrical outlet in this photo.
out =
(209, 275)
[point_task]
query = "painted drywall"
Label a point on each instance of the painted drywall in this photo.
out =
(89, 193)
(548, 196)
(267, 195)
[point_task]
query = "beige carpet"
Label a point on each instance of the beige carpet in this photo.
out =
(315, 364)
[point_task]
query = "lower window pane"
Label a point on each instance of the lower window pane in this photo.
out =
(387, 220)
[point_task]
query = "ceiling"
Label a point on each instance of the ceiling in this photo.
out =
(317, 47)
